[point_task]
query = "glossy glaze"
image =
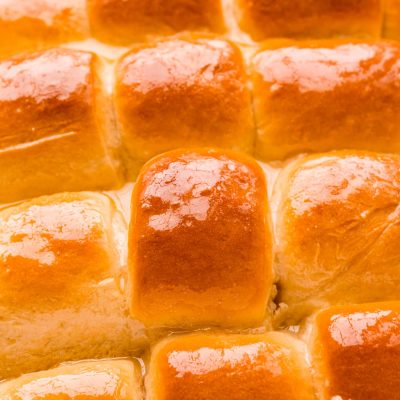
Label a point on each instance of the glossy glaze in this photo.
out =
(27, 25)
(303, 18)
(100, 380)
(321, 96)
(199, 241)
(53, 246)
(61, 291)
(360, 351)
(126, 21)
(51, 132)
(338, 229)
(205, 367)
(181, 93)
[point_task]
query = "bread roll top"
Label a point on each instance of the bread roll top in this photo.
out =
(338, 230)
(123, 22)
(200, 241)
(315, 96)
(356, 352)
(88, 380)
(60, 294)
(188, 91)
(53, 129)
(29, 25)
(229, 367)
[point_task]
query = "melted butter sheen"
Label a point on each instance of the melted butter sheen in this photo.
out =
(86, 380)
(322, 69)
(207, 360)
(48, 248)
(35, 88)
(361, 351)
(326, 95)
(338, 230)
(83, 386)
(176, 63)
(183, 92)
(365, 328)
(237, 367)
(200, 240)
(29, 25)
(34, 235)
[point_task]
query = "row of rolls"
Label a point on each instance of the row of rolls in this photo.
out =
(265, 288)
(71, 120)
(37, 24)
(354, 355)
(219, 277)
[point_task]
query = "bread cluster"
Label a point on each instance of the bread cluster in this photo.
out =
(199, 200)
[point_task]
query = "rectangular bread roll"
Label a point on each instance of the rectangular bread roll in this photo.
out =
(316, 96)
(229, 367)
(126, 21)
(356, 352)
(182, 92)
(86, 380)
(53, 134)
(60, 297)
(200, 241)
(338, 230)
(264, 19)
(28, 25)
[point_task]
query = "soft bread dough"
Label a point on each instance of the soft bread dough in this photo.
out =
(229, 367)
(338, 230)
(315, 96)
(184, 92)
(59, 297)
(87, 380)
(53, 126)
(356, 352)
(200, 241)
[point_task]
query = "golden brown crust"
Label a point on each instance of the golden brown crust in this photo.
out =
(60, 297)
(235, 367)
(391, 27)
(199, 241)
(326, 95)
(126, 21)
(264, 19)
(338, 229)
(182, 93)
(51, 247)
(52, 135)
(88, 380)
(27, 25)
(356, 351)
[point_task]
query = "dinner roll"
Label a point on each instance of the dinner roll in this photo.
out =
(88, 380)
(356, 352)
(304, 18)
(229, 367)
(327, 95)
(53, 134)
(182, 92)
(392, 19)
(199, 241)
(125, 21)
(27, 25)
(338, 230)
(60, 297)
